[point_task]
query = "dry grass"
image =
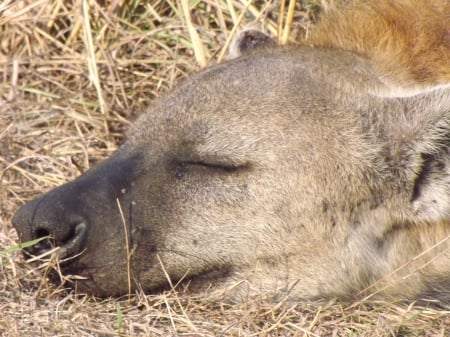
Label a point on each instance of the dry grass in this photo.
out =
(73, 74)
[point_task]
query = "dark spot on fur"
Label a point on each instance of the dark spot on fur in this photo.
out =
(325, 205)
(423, 175)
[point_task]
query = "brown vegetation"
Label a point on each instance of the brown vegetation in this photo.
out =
(73, 76)
(413, 47)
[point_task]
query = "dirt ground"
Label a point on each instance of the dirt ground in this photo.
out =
(74, 74)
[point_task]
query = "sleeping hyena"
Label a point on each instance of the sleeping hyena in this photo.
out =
(322, 169)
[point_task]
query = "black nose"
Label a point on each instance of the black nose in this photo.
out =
(56, 222)
(71, 215)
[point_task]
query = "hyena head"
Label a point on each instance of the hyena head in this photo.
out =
(281, 170)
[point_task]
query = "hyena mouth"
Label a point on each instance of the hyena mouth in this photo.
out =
(208, 279)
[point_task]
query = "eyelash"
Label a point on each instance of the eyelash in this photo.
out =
(182, 167)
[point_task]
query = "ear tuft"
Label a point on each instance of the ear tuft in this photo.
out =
(419, 135)
(249, 40)
(431, 197)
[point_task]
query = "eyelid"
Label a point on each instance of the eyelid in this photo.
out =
(224, 164)
(213, 164)
(182, 167)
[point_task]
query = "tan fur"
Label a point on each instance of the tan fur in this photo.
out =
(407, 40)
(313, 172)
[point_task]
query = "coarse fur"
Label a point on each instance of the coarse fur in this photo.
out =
(408, 41)
(315, 171)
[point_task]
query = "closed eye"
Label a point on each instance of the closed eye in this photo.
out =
(216, 166)
(212, 167)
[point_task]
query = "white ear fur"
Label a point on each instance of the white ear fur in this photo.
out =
(390, 89)
(248, 40)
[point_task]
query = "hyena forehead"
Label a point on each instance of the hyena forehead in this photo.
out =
(218, 110)
(258, 86)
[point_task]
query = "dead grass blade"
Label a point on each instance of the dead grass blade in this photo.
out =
(127, 247)
(197, 44)
(73, 74)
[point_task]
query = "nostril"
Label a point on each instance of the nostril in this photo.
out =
(69, 240)
(42, 233)
(45, 244)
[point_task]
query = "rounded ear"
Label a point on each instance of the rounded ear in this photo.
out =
(417, 135)
(249, 40)
(431, 194)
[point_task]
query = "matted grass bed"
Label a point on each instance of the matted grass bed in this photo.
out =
(74, 74)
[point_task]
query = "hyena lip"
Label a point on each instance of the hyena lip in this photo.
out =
(191, 283)
(205, 280)
(78, 280)
(84, 280)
